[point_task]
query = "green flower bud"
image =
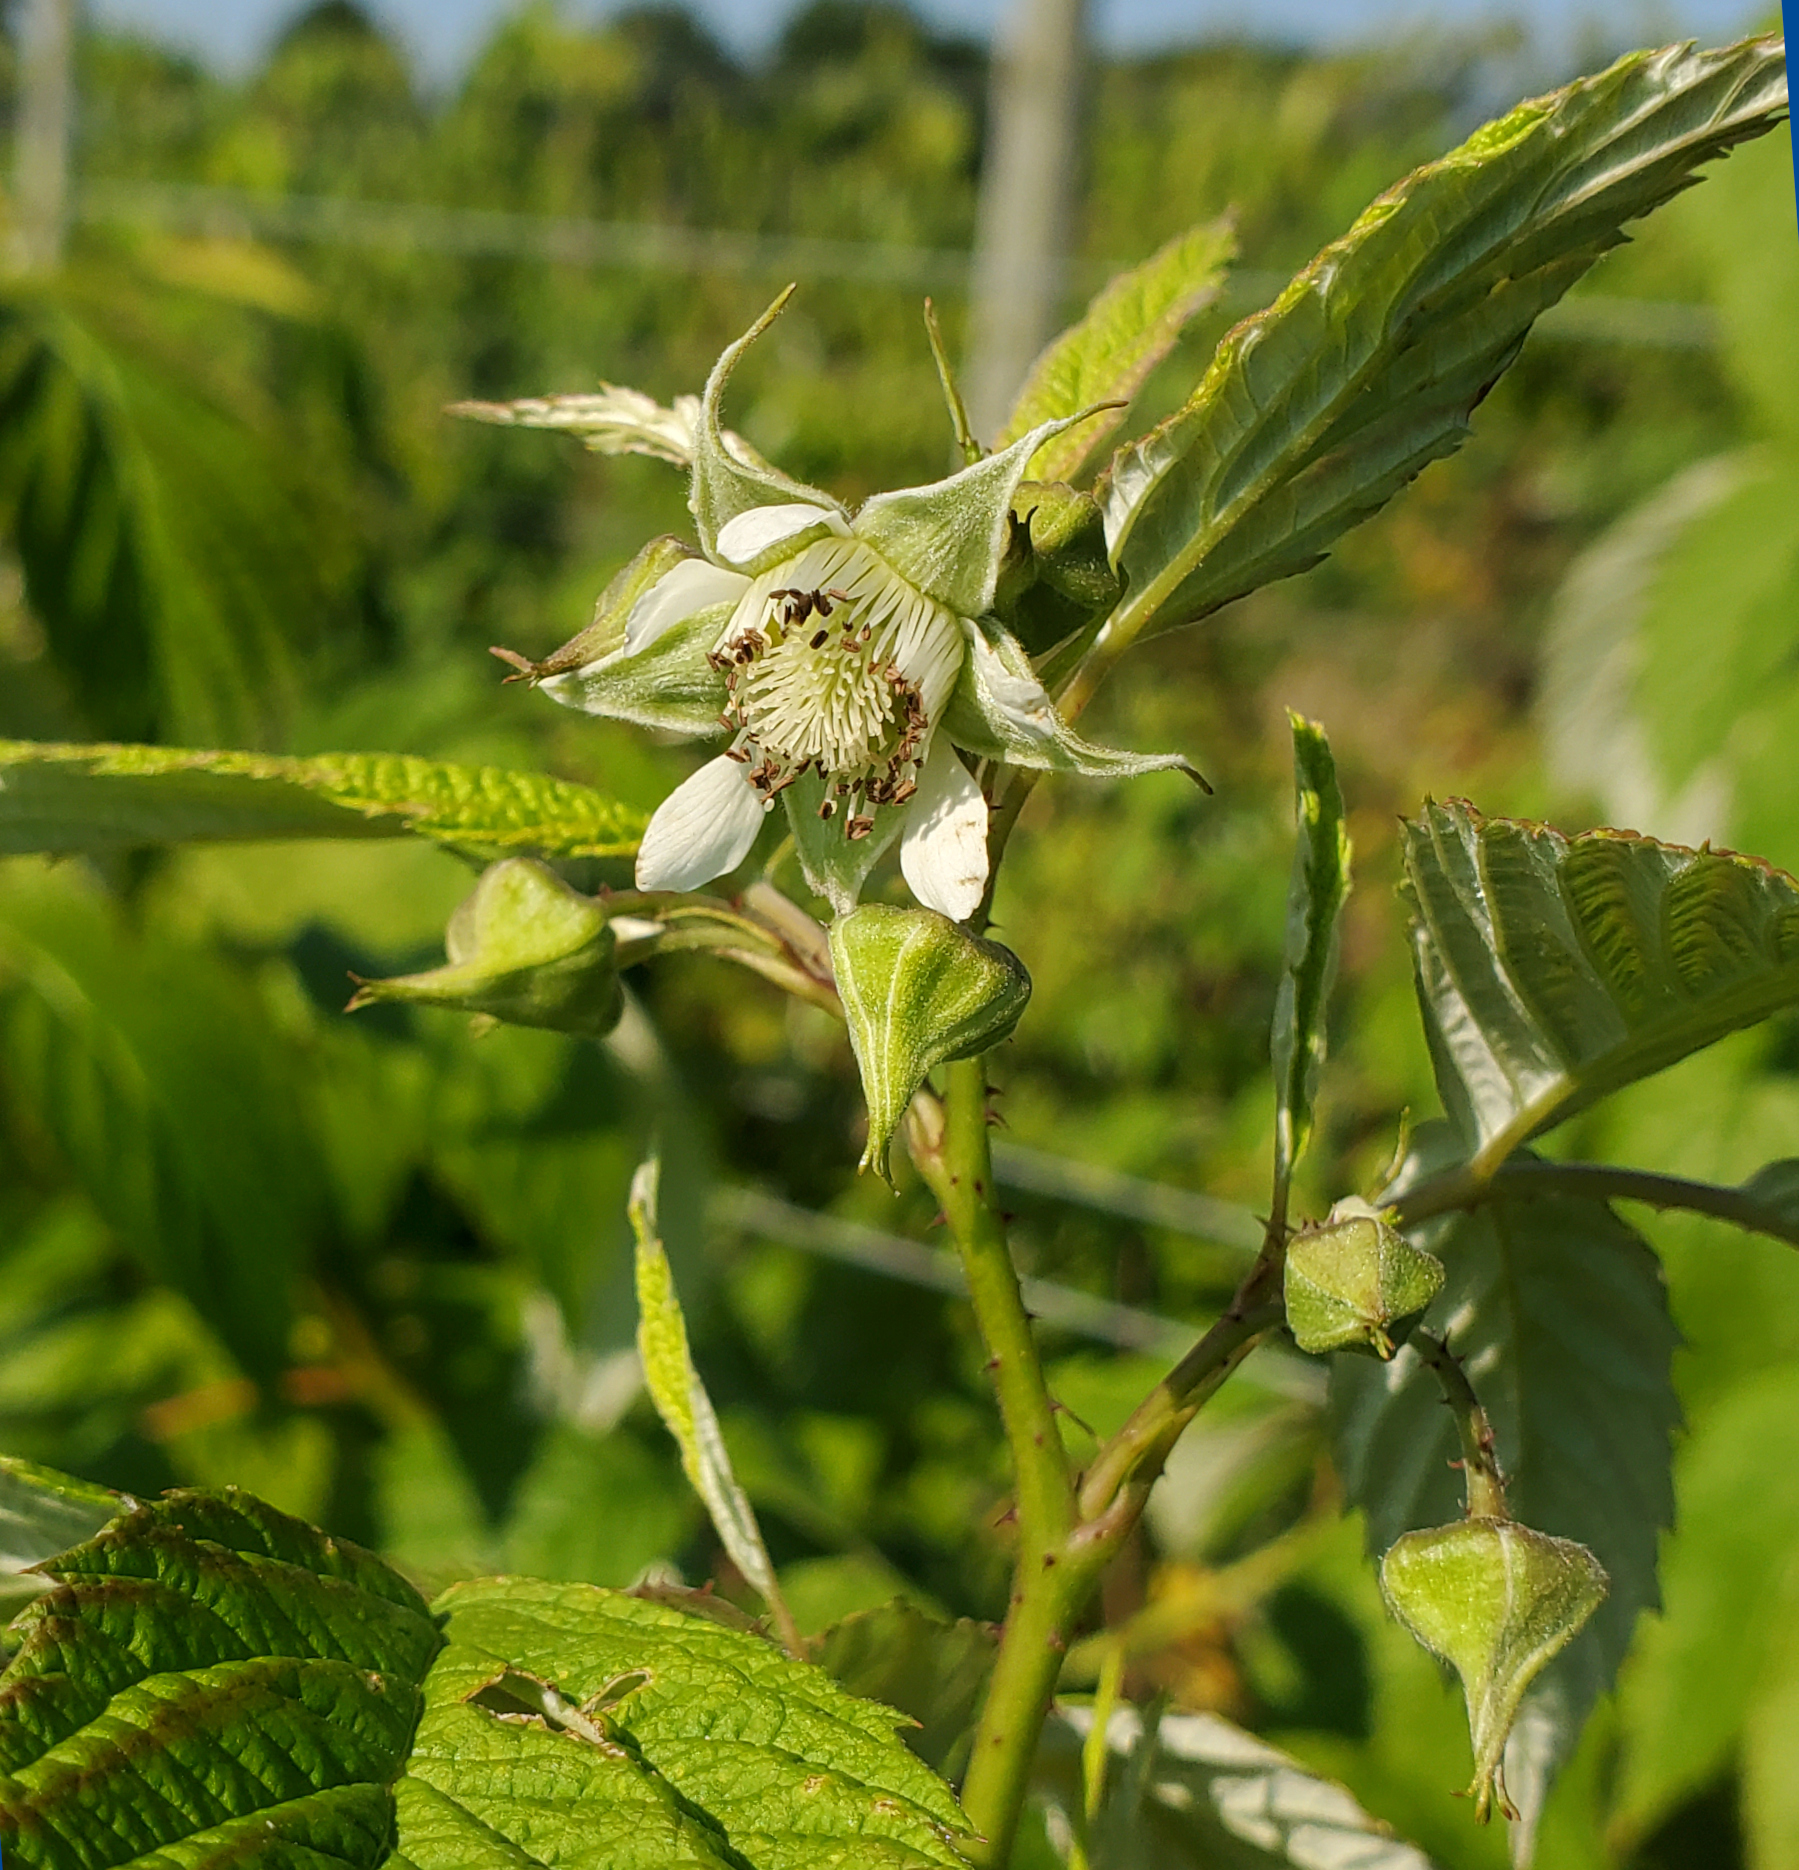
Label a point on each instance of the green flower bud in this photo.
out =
(1497, 1601)
(1349, 1279)
(917, 991)
(524, 948)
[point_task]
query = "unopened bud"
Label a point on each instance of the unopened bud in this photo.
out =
(1496, 1601)
(917, 991)
(1348, 1280)
(524, 948)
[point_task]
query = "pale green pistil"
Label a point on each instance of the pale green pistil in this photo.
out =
(840, 668)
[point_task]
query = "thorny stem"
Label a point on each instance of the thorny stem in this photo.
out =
(1066, 1538)
(955, 1159)
(1480, 1466)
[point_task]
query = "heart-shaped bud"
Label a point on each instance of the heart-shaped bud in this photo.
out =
(1348, 1280)
(524, 948)
(917, 991)
(1496, 1601)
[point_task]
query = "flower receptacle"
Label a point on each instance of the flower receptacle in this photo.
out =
(1497, 1601)
(524, 948)
(1348, 1280)
(917, 991)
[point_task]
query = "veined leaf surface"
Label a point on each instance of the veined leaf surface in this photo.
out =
(60, 798)
(210, 1683)
(1127, 330)
(1368, 366)
(592, 1730)
(1552, 970)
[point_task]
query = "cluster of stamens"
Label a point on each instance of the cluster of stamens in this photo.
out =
(815, 687)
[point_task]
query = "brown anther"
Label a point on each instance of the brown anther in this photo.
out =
(738, 754)
(828, 809)
(858, 828)
(818, 641)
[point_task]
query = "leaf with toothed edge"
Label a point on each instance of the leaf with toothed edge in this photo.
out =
(1315, 412)
(62, 798)
(1552, 970)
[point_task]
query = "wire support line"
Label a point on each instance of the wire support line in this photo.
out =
(472, 233)
(1155, 1204)
(893, 1256)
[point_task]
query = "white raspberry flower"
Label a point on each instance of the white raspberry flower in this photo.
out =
(846, 657)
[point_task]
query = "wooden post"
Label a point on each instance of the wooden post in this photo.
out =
(1027, 188)
(41, 141)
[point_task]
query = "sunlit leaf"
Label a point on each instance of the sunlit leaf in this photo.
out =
(1315, 897)
(1554, 969)
(681, 1400)
(1193, 1792)
(216, 1681)
(1319, 409)
(1127, 330)
(93, 798)
(1731, 1630)
(43, 1512)
(565, 1724)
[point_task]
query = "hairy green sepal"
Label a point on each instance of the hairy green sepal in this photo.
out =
(525, 948)
(1348, 1280)
(917, 991)
(1496, 1601)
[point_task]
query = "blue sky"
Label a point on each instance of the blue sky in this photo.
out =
(443, 33)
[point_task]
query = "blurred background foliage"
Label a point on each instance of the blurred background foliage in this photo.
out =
(375, 1268)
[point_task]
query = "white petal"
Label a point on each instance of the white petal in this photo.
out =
(702, 829)
(746, 538)
(674, 597)
(1016, 695)
(944, 851)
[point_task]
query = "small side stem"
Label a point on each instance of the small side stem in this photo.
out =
(1458, 1189)
(1480, 1466)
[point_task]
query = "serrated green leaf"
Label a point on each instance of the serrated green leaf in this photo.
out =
(58, 799)
(43, 1512)
(1315, 898)
(1558, 1312)
(1193, 1792)
(681, 1400)
(1127, 330)
(586, 1728)
(1552, 970)
(1368, 366)
(210, 1682)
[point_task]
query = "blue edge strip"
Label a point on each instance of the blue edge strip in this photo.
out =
(1787, 10)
